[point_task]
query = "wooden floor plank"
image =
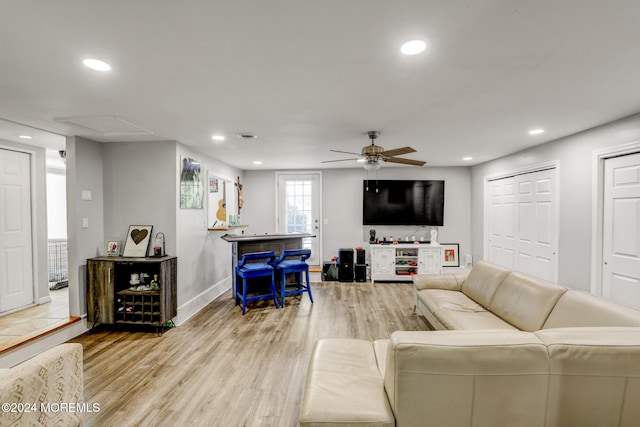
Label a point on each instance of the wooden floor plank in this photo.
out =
(223, 369)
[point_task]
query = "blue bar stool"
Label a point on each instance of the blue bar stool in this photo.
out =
(250, 270)
(298, 266)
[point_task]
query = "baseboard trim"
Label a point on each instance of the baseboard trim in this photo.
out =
(194, 305)
(44, 300)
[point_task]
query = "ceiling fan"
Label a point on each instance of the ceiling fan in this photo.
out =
(372, 155)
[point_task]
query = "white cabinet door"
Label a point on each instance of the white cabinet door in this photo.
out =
(430, 260)
(383, 263)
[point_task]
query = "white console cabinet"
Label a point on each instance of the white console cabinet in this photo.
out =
(400, 262)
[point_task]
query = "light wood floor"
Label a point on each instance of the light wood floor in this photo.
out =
(223, 369)
(28, 324)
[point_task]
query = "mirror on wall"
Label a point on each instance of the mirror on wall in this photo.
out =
(222, 202)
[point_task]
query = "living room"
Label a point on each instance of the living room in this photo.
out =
(137, 181)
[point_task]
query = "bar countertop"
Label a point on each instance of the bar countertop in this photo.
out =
(258, 237)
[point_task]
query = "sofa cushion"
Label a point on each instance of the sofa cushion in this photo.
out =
(525, 301)
(450, 281)
(579, 308)
(344, 386)
(483, 282)
(54, 376)
(467, 378)
(595, 376)
(454, 310)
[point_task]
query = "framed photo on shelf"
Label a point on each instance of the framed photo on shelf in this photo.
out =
(137, 242)
(450, 254)
(113, 247)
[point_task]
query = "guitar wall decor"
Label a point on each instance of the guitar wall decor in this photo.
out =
(221, 213)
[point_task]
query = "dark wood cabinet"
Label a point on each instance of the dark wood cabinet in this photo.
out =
(113, 298)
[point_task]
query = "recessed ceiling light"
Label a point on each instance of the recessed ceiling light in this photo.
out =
(257, 162)
(96, 64)
(413, 47)
(218, 137)
(466, 159)
(536, 131)
(24, 136)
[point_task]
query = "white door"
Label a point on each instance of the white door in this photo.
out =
(523, 223)
(299, 209)
(621, 230)
(501, 222)
(16, 262)
(535, 252)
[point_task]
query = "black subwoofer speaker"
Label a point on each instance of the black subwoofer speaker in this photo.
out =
(345, 265)
(361, 272)
(360, 257)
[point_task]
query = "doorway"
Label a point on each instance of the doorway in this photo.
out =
(298, 208)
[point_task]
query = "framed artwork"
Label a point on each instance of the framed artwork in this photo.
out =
(450, 255)
(191, 184)
(113, 247)
(137, 241)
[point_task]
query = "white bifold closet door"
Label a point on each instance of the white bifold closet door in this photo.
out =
(523, 223)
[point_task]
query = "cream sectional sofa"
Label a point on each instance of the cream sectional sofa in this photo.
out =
(46, 390)
(508, 350)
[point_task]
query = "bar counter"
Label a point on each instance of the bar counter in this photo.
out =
(243, 243)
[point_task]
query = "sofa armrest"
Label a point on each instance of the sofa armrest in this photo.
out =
(454, 378)
(52, 377)
(448, 281)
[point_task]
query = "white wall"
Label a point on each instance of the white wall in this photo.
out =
(56, 205)
(139, 189)
(204, 259)
(84, 172)
(342, 206)
(575, 158)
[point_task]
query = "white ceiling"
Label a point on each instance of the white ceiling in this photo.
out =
(310, 76)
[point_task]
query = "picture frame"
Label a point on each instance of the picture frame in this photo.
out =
(113, 247)
(192, 190)
(450, 254)
(136, 244)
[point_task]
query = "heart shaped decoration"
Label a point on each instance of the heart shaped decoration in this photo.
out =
(138, 235)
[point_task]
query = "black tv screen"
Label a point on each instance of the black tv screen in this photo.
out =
(400, 202)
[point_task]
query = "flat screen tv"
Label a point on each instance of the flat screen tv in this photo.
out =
(400, 202)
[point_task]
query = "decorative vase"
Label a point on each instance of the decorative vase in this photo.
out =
(434, 236)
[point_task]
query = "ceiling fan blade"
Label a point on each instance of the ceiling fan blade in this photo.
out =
(405, 161)
(345, 152)
(398, 151)
(341, 160)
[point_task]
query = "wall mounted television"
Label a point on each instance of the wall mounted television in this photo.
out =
(403, 202)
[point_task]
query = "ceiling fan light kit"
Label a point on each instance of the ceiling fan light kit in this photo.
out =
(371, 165)
(372, 154)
